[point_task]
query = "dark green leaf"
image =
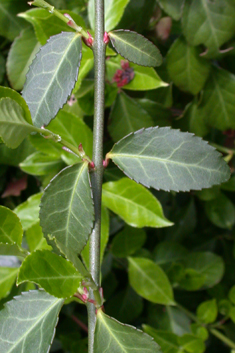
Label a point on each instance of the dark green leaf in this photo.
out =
(209, 22)
(11, 231)
(207, 311)
(186, 68)
(168, 341)
(10, 24)
(52, 76)
(221, 211)
(135, 48)
(34, 331)
(169, 160)
(172, 7)
(2, 67)
(149, 281)
(128, 242)
(127, 116)
(67, 211)
(51, 272)
(116, 337)
(28, 211)
(20, 57)
(41, 164)
(167, 251)
(133, 203)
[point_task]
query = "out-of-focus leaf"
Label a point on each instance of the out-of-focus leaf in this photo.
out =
(207, 311)
(10, 24)
(221, 211)
(128, 242)
(7, 279)
(173, 8)
(167, 251)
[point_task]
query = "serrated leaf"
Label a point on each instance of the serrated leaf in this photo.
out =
(133, 203)
(173, 8)
(128, 242)
(135, 48)
(28, 211)
(20, 57)
(13, 126)
(149, 281)
(11, 231)
(7, 279)
(112, 335)
(169, 160)
(34, 332)
(209, 22)
(186, 68)
(145, 78)
(10, 24)
(55, 275)
(114, 10)
(217, 108)
(41, 164)
(127, 116)
(66, 210)
(52, 76)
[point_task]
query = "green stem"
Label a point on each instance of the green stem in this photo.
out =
(97, 174)
(223, 149)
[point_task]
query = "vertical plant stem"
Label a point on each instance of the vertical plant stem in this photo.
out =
(97, 176)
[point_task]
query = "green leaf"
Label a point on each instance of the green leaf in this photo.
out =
(6, 92)
(87, 64)
(127, 116)
(168, 341)
(114, 10)
(103, 238)
(7, 279)
(32, 331)
(169, 160)
(14, 127)
(173, 8)
(2, 67)
(217, 106)
(145, 78)
(169, 251)
(55, 275)
(232, 294)
(186, 68)
(10, 24)
(209, 22)
(35, 239)
(191, 343)
(13, 250)
(149, 281)
(192, 280)
(207, 264)
(66, 210)
(20, 57)
(207, 311)
(114, 336)
(11, 231)
(128, 242)
(41, 164)
(133, 203)
(52, 76)
(135, 48)
(221, 212)
(28, 211)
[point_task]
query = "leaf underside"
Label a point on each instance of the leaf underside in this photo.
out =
(168, 159)
(52, 76)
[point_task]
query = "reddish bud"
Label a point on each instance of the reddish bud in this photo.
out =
(89, 41)
(124, 76)
(106, 37)
(92, 165)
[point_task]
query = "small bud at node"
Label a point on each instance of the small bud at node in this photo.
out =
(106, 38)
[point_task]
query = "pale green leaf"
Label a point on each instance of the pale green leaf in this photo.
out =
(113, 336)
(20, 57)
(28, 211)
(149, 281)
(173, 8)
(35, 238)
(217, 106)
(186, 68)
(209, 22)
(33, 332)
(145, 78)
(114, 10)
(66, 210)
(169, 160)
(191, 343)
(135, 48)
(52, 76)
(10, 24)
(127, 116)
(133, 203)
(168, 341)
(104, 237)
(11, 231)
(128, 242)
(53, 273)
(41, 164)
(7, 279)
(207, 311)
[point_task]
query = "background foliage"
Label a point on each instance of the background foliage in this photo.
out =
(194, 259)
